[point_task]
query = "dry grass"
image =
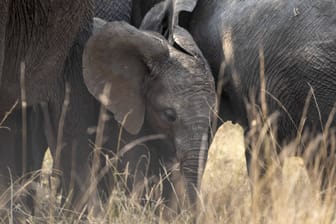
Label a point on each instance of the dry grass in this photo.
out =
(286, 193)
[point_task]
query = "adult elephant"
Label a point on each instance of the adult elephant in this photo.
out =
(35, 39)
(289, 45)
(41, 46)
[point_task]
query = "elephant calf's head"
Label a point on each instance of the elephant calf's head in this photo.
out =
(154, 85)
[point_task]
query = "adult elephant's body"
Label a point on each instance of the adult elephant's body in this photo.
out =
(49, 38)
(298, 41)
(32, 35)
(36, 38)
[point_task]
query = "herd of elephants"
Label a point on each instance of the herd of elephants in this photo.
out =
(155, 68)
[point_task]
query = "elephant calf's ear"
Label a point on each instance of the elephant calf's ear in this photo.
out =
(116, 57)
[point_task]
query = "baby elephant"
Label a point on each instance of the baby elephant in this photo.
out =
(154, 88)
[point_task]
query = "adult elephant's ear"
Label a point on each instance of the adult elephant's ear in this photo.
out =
(178, 6)
(120, 56)
(165, 17)
(157, 19)
(179, 34)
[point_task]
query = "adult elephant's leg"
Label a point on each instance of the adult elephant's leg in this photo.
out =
(71, 152)
(9, 162)
(36, 142)
(22, 146)
(3, 23)
(72, 117)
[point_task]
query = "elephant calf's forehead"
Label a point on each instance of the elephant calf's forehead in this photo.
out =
(184, 73)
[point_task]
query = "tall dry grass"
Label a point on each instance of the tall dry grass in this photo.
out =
(287, 192)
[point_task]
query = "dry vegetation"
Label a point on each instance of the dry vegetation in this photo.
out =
(286, 193)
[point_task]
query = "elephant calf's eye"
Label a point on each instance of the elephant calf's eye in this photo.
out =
(170, 115)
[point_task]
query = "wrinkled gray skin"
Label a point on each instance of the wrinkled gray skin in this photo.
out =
(162, 104)
(139, 10)
(298, 38)
(49, 36)
(299, 44)
(40, 33)
(161, 90)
